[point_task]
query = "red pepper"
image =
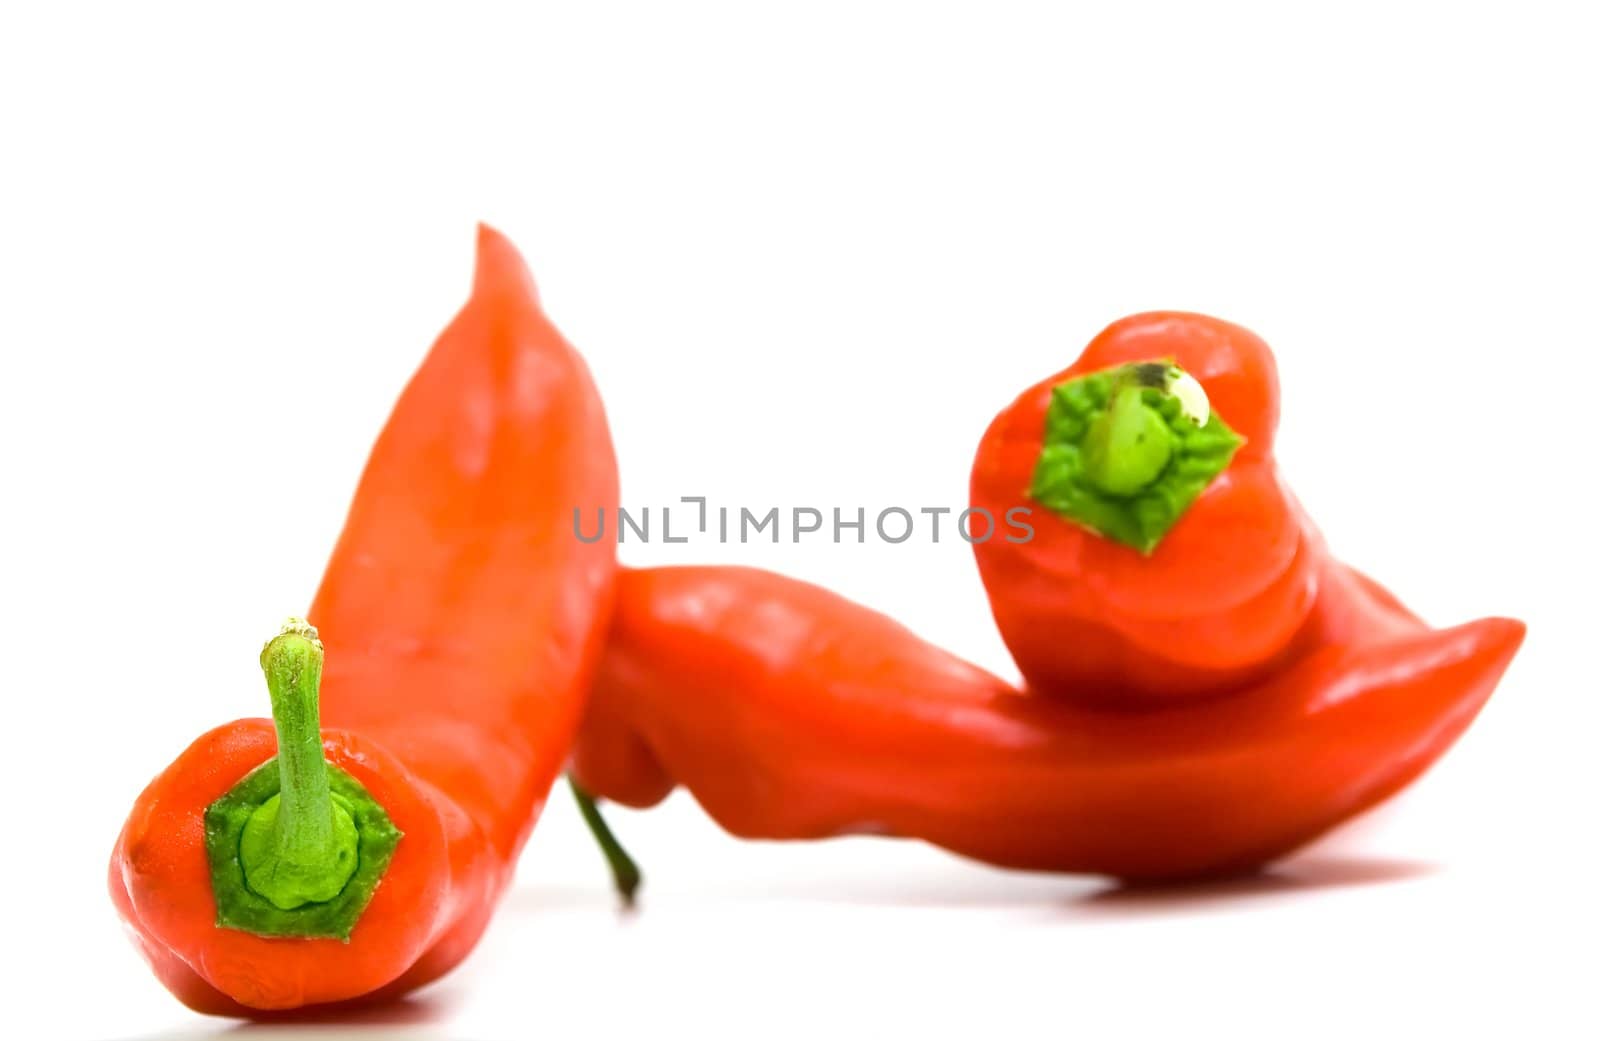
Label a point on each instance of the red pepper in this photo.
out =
(1223, 597)
(463, 623)
(792, 713)
(1169, 571)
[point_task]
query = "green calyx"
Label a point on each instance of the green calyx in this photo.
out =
(297, 847)
(1128, 450)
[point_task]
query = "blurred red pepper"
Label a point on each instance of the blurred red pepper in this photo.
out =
(463, 623)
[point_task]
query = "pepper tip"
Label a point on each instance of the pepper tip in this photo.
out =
(500, 265)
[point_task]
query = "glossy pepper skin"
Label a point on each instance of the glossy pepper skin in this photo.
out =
(792, 713)
(1227, 596)
(463, 624)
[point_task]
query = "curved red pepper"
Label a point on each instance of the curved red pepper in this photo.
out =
(1282, 692)
(462, 623)
(1223, 600)
(791, 713)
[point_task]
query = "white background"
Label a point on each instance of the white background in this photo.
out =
(808, 255)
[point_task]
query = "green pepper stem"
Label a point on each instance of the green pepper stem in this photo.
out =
(293, 663)
(624, 872)
(298, 847)
(1128, 445)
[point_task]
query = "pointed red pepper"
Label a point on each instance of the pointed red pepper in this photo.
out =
(279, 864)
(1208, 688)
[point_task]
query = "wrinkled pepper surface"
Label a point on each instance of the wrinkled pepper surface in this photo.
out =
(1208, 689)
(289, 862)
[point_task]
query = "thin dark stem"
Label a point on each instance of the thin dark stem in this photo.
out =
(624, 872)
